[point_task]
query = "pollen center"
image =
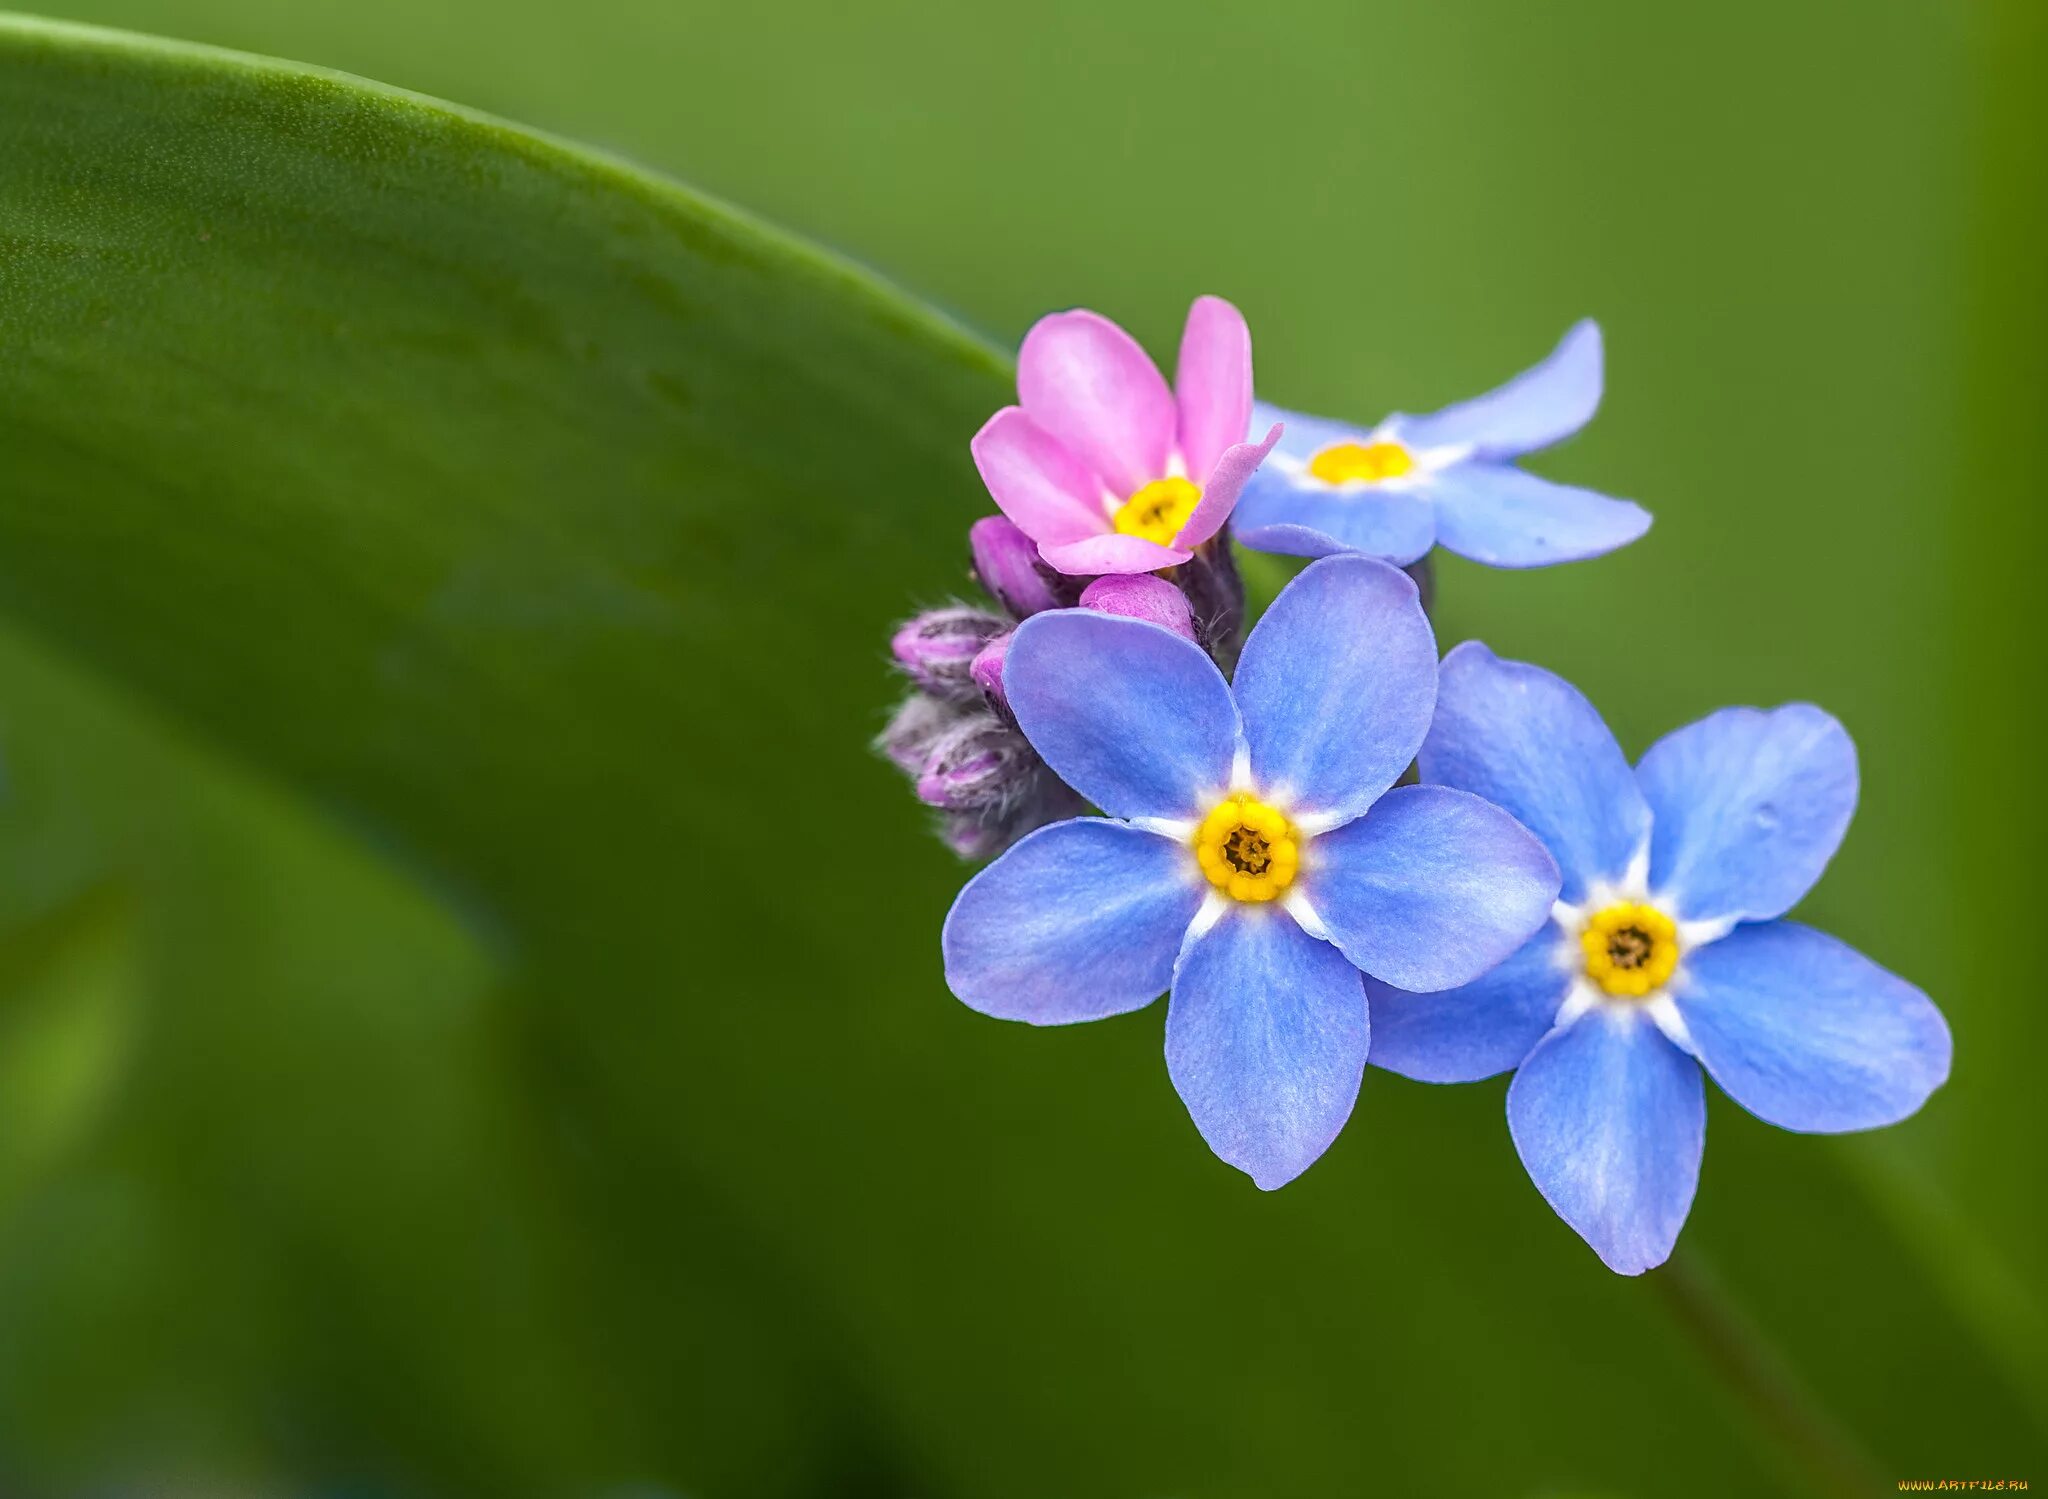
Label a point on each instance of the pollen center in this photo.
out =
(1370, 462)
(1247, 849)
(1631, 948)
(1159, 510)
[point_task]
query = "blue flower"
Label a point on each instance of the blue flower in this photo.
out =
(1666, 951)
(1253, 859)
(1449, 479)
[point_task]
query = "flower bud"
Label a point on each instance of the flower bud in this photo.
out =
(938, 646)
(1036, 798)
(1006, 561)
(986, 670)
(976, 763)
(971, 838)
(1141, 596)
(913, 729)
(1215, 595)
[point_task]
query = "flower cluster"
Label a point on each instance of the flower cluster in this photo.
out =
(1530, 903)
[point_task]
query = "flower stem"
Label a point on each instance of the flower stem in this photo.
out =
(1746, 1362)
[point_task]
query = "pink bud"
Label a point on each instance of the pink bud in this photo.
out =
(987, 668)
(976, 764)
(1006, 561)
(937, 647)
(1141, 596)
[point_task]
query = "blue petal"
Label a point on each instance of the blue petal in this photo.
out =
(1290, 541)
(1282, 512)
(1266, 1041)
(1538, 407)
(1527, 740)
(1132, 716)
(1079, 920)
(1430, 888)
(1279, 513)
(1749, 807)
(1807, 1033)
(1336, 685)
(1499, 515)
(1485, 1028)
(1610, 1119)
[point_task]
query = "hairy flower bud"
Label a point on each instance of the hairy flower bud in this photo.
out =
(1041, 798)
(936, 648)
(918, 724)
(983, 774)
(1141, 596)
(1215, 595)
(973, 764)
(1007, 563)
(987, 670)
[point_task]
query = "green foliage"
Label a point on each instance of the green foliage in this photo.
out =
(502, 1047)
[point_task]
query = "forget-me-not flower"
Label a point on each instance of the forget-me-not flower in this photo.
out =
(1666, 952)
(1102, 465)
(1253, 858)
(1448, 479)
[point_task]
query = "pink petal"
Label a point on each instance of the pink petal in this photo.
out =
(1213, 384)
(1088, 383)
(1036, 482)
(1115, 553)
(1219, 495)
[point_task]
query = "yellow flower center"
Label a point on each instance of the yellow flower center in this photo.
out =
(1631, 948)
(1159, 510)
(1247, 849)
(1342, 462)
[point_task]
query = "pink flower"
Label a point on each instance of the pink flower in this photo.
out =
(1102, 465)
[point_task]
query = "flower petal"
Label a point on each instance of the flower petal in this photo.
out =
(1035, 481)
(1499, 515)
(1130, 715)
(1430, 888)
(1266, 1041)
(1303, 517)
(1096, 556)
(1540, 406)
(1807, 1033)
(1610, 1119)
(1277, 514)
(1479, 1030)
(1291, 541)
(1088, 383)
(1077, 921)
(1213, 384)
(1527, 740)
(1219, 494)
(1336, 685)
(1749, 806)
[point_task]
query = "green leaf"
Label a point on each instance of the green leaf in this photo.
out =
(515, 534)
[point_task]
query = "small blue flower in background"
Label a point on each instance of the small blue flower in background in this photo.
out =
(1666, 951)
(1253, 858)
(1449, 479)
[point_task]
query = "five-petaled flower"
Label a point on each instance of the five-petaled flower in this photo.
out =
(1253, 858)
(1666, 951)
(1102, 465)
(1447, 479)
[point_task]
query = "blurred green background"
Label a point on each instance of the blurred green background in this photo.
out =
(306, 1189)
